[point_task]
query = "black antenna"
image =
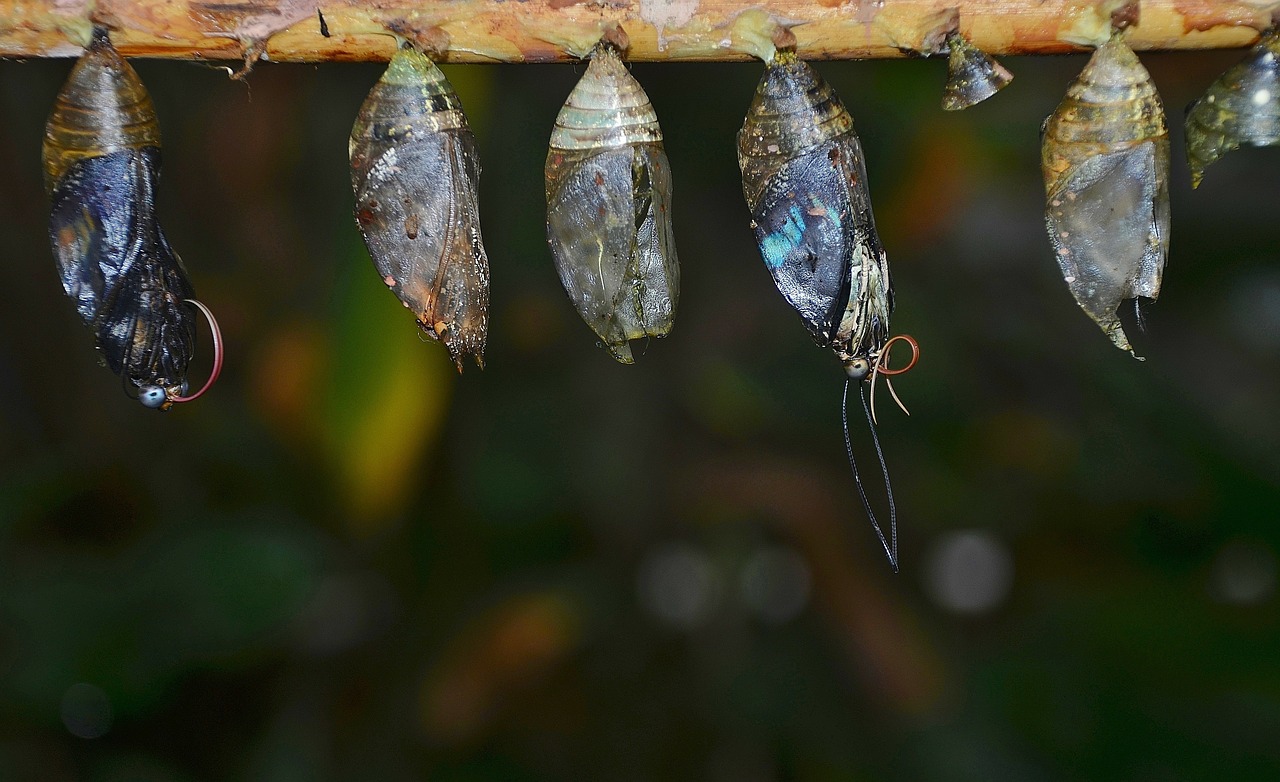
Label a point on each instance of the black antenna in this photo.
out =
(890, 548)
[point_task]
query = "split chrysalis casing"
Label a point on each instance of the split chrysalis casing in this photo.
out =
(1241, 108)
(101, 163)
(1105, 155)
(805, 183)
(972, 75)
(609, 207)
(415, 171)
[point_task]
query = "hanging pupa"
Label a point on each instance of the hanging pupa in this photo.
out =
(972, 75)
(1241, 108)
(609, 206)
(805, 183)
(1105, 156)
(415, 171)
(101, 162)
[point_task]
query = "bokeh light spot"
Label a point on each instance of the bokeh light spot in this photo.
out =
(775, 583)
(1244, 572)
(969, 572)
(677, 584)
(86, 711)
(1253, 310)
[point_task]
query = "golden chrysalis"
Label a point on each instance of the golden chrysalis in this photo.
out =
(1105, 154)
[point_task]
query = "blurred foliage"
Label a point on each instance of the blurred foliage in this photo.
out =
(347, 562)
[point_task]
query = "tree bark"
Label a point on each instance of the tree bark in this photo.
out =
(550, 30)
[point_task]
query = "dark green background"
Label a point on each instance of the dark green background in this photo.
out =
(348, 563)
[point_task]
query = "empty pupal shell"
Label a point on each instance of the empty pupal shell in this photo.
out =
(609, 207)
(972, 75)
(1241, 108)
(1105, 156)
(101, 165)
(806, 186)
(415, 171)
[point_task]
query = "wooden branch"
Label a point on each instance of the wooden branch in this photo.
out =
(549, 30)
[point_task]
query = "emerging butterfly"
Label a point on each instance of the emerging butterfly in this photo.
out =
(101, 163)
(806, 186)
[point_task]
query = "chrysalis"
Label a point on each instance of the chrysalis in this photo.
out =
(806, 186)
(609, 207)
(415, 170)
(1241, 108)
(1106, 170)
(101, 163)
(972, 75)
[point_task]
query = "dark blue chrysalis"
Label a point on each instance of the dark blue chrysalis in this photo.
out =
(806, 186)
(101, 163)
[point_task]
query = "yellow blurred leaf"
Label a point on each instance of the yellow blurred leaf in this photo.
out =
(386, 399)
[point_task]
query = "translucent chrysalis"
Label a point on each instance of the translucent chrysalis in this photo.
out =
(972, 75)
(415, 170)
(101, 164)
(1105, 155)
(1241, 108)
(609, 207)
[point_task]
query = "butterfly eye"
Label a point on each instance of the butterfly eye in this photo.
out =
(858, 369)
(152, 397)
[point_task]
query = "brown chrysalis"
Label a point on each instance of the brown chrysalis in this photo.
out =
(415, 170)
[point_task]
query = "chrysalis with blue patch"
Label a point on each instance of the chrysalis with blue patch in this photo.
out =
(101, 166)
(806, 186)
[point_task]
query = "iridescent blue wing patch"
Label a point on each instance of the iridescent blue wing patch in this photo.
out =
(802, 226)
